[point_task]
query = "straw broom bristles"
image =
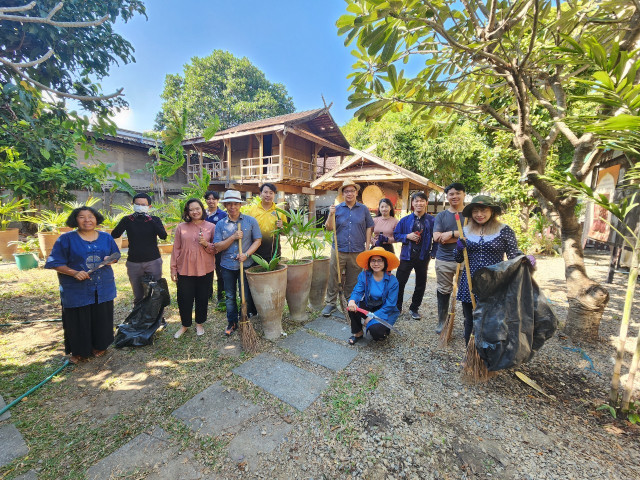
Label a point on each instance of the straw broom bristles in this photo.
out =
(474, 368)
(248, 335)
(447, 331)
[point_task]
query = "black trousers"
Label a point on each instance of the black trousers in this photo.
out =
(192, 289)
(402, 274)
(378, 331)
(467, 310)
(219, 280)
(87, 328)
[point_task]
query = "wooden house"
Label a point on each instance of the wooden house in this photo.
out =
(290, 151)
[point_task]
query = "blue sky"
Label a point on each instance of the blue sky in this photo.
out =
(294, 42)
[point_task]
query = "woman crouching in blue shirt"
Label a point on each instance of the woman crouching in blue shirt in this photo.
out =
(376, 291)
(87, 299)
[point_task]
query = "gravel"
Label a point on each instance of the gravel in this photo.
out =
(422, 422)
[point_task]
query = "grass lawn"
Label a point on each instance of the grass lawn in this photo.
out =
(89, 410)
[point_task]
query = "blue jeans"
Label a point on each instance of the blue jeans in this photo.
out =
(231, 280)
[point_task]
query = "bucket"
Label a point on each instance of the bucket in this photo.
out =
(25, 261)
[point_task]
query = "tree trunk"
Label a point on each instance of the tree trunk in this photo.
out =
(587, 299)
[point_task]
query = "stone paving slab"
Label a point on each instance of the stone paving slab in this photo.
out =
(316, 350)
(5, 415)
(151, 454)
(258, 438)
(295, 386)
(216, 410)
(12, 444)
(30, 475)
(331, 328)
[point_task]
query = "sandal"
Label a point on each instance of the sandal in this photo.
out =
(354, 339)
(180, 332)
(230, 329)
(98, 353)
(199, 329)
(75, 359)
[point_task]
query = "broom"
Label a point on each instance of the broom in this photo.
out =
(474, 369)
(343, 301)
(445, 334)
(247, 333)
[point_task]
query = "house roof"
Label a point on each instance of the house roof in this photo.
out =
(364, 167)
(316, 125)
(126, 137)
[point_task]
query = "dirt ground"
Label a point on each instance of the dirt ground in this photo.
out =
(420, 401)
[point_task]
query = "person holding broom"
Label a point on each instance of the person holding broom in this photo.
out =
(376, 291)
(487, 241)
(226, 239)
(445, 234)
(352, 224)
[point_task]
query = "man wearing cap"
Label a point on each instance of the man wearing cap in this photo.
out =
(352, 224)
(415, 232)
(226, 239)
(445, 234)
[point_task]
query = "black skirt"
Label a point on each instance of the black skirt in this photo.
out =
(87, 328)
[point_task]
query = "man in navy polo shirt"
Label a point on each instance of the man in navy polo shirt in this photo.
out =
(352, 223)
(214, 215)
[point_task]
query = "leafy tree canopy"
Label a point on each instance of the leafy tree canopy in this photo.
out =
(221, 84)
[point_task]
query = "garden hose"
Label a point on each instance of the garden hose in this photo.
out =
(67, 362)
(30, 321)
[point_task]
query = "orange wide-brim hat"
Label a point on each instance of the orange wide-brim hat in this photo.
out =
(363, 259)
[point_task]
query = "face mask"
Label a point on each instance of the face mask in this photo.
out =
(141, 208)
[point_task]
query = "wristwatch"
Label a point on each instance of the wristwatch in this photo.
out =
(453, 234)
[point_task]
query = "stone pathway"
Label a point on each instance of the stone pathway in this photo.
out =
(220, 411)
(12, 445)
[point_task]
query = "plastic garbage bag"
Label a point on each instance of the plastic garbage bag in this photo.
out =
(146, 316)
(512, 319)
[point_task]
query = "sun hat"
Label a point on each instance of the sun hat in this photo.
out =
(348, 183)
(363, 259)
(232, 196)
(482, 201)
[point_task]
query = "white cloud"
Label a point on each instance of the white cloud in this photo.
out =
(124, 119)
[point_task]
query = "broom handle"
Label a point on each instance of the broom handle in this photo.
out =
(241, 266)
(335, 241)
(466, 261)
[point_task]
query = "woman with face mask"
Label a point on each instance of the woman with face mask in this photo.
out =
(143, 231)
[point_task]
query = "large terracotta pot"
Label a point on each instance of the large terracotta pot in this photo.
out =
(165, 248)
(319, 282)
(6, 236)
(268, 293)
(47, 240)
(65, 229)
(298, 286)
(117, 240)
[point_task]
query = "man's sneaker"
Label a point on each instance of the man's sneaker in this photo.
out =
(328, 310)
(415, 315)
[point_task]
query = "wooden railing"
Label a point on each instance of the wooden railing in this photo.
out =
(257, 169)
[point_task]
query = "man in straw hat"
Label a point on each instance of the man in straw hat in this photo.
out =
(376, 291)
(352, 223)
(226, 241)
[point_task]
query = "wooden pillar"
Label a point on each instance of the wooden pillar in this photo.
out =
(281, 138)
(324, 164)
(314, 162)
(261, 162)
(227, 144)
(312, 207)
(201, 163)
(406, 208)
(341, 159)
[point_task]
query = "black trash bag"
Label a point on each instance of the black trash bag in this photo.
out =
(146, 316)
(512, 319)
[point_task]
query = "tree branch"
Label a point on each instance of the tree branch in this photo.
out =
(23, 8)
(519, 13)
(48, 19)
(32, 63)
(534, 31)
(491, 22)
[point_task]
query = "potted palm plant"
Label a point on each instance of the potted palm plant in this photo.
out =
(10, 211)
(110, 222)
(321, 268)
(298, 233)
(268, 285)
(50, 225)
(27, 254)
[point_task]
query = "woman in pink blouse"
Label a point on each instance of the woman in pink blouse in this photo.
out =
(192, 265)
(383, 225)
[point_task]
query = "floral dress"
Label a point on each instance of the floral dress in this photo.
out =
(485, 250)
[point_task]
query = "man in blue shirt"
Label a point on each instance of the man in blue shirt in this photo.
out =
(445, 233)
(352, 223)
(226, 239)
(414, 232)
(214, 215)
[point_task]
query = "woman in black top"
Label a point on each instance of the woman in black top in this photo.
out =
(143, 231)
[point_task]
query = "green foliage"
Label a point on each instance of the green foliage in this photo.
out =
(271, 265)
(29, 245)
(49, 220)
(221, 85)
(13, 210)
(608, 408)
(83, 55)
(318, 242)
(298, 231)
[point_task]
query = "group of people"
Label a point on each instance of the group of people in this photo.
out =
(367, 244)
(211, 240)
